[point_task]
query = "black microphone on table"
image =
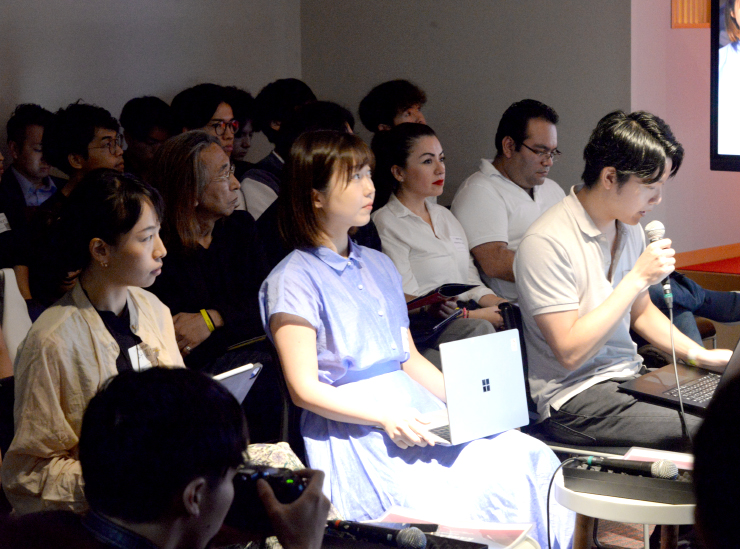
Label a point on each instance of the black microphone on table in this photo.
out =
(656, 231)
(657, 469)
(406, 538)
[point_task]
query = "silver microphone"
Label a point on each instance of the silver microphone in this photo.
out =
(656, 231)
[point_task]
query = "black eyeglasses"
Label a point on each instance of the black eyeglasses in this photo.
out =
(544, 155)
(220, 126)
(113, 145)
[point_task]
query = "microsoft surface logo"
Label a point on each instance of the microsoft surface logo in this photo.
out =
(486, 386)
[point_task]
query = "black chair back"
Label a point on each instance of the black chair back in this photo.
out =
(513, 319)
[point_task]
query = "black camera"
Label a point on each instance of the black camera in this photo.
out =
(247, 512)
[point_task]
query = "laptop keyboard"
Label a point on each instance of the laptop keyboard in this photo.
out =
(700, 390)
(442, 432)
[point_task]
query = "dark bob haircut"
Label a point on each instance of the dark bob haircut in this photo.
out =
(106, 204)
(25, 115)
(72, 130)
(387, 100)
(392, 148)
(633, 144)
(515, 119)
(277, 101)
(311, 117)
(146, 435)
(141, 115)
(242, 104)
(193, 107)
(316, 158)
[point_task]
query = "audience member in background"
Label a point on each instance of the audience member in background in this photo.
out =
(214, 269)
(582, 273)
(27, 183)
(105, 325)
(206, 107)
(147, 123)
(255, 195)
(424, 240)
(337, 315)
(690, 299)
(321, 115)
(497, 204)
(8, 249)
(392, 103)
(274, 104)
(81, 138)
(242, 103)
(24, 186)
(215, 263)
(162, 476)
(716, 480)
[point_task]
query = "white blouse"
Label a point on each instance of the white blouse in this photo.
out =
(427, 258)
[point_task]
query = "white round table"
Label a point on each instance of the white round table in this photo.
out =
(621, 509)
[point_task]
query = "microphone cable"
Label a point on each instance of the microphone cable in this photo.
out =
(682, 414)
(549, 488)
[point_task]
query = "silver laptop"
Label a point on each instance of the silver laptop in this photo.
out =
(484, 384)
(240, 380)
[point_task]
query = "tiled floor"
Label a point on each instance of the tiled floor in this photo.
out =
(621, 535)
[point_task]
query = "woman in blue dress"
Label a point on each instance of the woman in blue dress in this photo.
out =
(337, 315)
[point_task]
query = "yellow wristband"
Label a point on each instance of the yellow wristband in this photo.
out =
(692, 356)
(208, 320)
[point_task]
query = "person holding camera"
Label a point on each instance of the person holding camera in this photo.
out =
(159, 451)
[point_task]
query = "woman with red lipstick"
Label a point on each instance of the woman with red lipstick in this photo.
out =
(106, 324)
(336, 313)
(424, 240)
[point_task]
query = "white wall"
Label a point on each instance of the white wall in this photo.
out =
(106, 52)
(475, 58)
(670, 77)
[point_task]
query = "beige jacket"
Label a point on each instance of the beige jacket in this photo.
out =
(66, 357)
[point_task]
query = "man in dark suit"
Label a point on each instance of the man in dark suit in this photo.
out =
(27, 183)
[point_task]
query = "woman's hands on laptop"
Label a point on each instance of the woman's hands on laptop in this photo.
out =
(407, 427)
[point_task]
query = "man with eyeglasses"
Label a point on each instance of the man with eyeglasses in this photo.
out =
(81, 138)
(147, 123)
(497, 204)
(206, 107)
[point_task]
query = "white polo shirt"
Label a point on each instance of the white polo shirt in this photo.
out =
(564, 264)
(427, 258)
(492, 208)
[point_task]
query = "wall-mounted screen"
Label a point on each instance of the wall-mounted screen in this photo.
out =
(725, 98)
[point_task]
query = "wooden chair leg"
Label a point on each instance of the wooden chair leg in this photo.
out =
(583, 532)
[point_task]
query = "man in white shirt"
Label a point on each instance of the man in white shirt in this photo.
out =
(497, 204)
(582, 271)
